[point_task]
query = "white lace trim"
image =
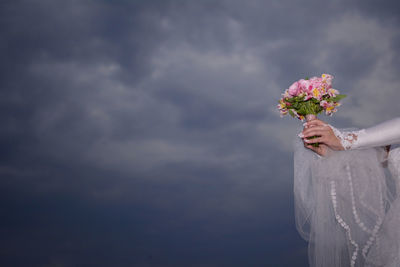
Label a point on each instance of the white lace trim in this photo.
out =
(344, 224)
(349, 140)
(371, 232)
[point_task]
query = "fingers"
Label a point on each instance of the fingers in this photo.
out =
(320, 150)
(313, 131)
(313, 123)
(315, 149)
(314, 140)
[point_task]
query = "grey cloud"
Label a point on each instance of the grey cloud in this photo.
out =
(145, 133)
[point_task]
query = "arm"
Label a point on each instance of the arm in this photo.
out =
(383, 134)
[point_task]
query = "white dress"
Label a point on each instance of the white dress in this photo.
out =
(346, 205)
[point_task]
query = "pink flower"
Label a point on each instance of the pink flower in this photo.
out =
(327, 78)
(305, 85)
(329, 107)
(323, 104)
(328, 86)
(318, 89)
(316, 93)
(286, 94)
(333, 92)
(308, 96)
(294, 89)
(282, 107)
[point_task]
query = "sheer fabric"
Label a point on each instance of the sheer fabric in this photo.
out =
(386, 252)
(340, 204)
(346, 204)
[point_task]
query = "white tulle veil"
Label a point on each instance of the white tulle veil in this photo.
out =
(340, 206)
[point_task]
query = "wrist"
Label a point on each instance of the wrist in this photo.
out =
(338, 143)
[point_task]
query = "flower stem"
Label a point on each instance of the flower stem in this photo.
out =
(310, 117)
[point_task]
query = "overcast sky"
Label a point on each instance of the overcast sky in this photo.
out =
(145, 133)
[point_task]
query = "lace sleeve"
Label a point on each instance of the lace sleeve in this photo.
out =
(386, 133)
(348, 139)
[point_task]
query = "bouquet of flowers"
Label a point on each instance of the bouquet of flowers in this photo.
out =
(310, 97)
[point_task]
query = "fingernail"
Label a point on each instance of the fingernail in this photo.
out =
(301, 135)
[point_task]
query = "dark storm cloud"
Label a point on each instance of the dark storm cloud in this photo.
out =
(145, 133)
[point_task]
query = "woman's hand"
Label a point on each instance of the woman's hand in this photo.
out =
(325, 137)
(321, 149)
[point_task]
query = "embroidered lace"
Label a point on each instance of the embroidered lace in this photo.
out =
(386, 133)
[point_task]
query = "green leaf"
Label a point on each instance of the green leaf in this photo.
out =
(336, 98)
(302, 110)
